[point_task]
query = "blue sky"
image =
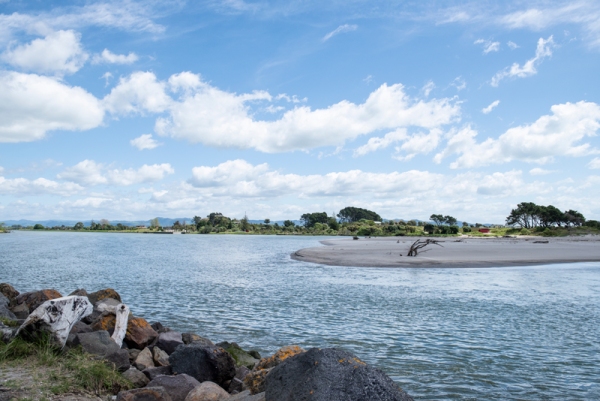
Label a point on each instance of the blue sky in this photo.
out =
(131, 110)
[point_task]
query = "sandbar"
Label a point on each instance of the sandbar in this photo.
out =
(456, 252)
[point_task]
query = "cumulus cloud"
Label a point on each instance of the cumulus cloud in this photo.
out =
(540, 171)
(144, 142)
(340, 29)
(543, 50)
(31, 105)
(419, 143)
(89, 173)
(138, 93)
(492, 106)
(205, 114)
(37, 187)
(108, 57)
(488, 45)
(459, 83)
(512, 45)
(377, 143)
(558, 134)
(595, 163)
(58, 53)
(429, 86)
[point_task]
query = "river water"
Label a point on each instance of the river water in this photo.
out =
(518, 333)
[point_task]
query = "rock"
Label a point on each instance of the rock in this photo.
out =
(177, 387)
(24, 304)
(99, 343)
(100, 309)
(205, 363)
(4, 311)
(241, 357)
(8, 291)
(236, 386)
(159, 328)
(133, 353)
(139, 333)
(330, 374)
(255, 380)
(161, 358)
(103, 294)
(144, 360)
(254, 354)
(105, 321)
(80, 327)
(144, 394)
(207, 391)
(189, 338)
(246, 396)
(168, 341)
(6, 333)
(152, 373)
(56, 316)
(137, 378)
(80, 292)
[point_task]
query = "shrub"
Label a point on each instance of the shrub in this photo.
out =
(525, 231)
(466, 229)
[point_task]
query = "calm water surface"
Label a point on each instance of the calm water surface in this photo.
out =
(529, 333)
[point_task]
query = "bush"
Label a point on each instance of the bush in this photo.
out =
(525, 231)
(466, 229)
(429, 228)
(38, 227)
(453, 229)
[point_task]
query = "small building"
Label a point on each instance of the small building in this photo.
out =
(484, 230)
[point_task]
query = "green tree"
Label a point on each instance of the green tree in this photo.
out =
(289, 223)
(333, 223)
(438, 219)
(78, 226)
(267, 221)
(352, 214)
(154, 223)
(310, 219)
(451, 221)
(38, 226)
(429, 228)
(244, 224)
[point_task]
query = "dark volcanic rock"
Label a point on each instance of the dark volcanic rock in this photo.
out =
(137, 378)
(168, 341)
(8, 291)
(177, 387)
(207, 391)
(144, 394)
(159, 328)
(152, 373)
(255, 380)
(27, 302)
(241, 357)
(4, 311)
(80, 292)
(205, 363)
(80, 327)
(330, 374)
(189, 338)
(99, 343)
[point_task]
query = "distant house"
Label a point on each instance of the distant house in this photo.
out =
(484, 230)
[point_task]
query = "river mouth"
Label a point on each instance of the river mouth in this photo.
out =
(486, 334)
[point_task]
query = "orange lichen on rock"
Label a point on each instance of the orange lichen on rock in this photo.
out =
(106, 321)
(139, 333)
(255, 381)
(281, 355)
(103, 294)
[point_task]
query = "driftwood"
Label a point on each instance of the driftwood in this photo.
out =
(58, 316)
(419, 244)
(122, 316)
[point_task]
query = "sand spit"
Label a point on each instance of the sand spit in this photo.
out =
(456, 252)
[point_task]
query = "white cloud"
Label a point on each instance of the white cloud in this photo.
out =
(37, 187)
(459, 83)
(108, 57)
(492, 106)
(138, 93)
(558, 134)
(595, 163)
(31, 105)
(500, 183)
(107, 76)
(213, 117)
(512, 45)
(144, 141)
(540, 171)
(89, 173)
(488, 45)
(543, 50)
(58, 53)
(340, 29)
(377, 143)
(429, 86)
(419, 143)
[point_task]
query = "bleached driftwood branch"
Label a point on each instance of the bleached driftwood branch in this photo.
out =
(418, 244)
(122, 316)
(58, 316)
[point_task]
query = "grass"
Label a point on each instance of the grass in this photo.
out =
(8, 322)
(61, 372)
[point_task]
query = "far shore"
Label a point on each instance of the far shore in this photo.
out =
(453, 252)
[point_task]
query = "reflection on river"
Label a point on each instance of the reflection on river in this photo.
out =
(483, 334)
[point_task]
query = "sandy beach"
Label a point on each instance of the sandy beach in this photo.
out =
(456, 252)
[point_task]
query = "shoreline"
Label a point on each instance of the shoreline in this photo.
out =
(455, 252)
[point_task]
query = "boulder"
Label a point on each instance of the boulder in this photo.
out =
(80, 327)
(56, 316)
(189, 338)
(99, 343)
(207, 391)
(144, 360)
(133, 353)
(103, 294)
(102, 308)
(169, 340)
(205, 363)
(4, 311)
(241, 357)
(137, 378)
(255, 380)
(139, 333)
(80, 292)
(161, 358)
(8, 291)
(152, 373)
(177, 387)
(237, 383)
(144, 394)
(159, 328)
(6, 333)
(246, 396)
(24, 304)
(330, 374)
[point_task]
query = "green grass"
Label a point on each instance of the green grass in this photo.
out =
(70, 371)
(8, 322)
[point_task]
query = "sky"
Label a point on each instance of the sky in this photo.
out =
(131, 110)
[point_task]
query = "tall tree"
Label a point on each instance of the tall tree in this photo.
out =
(351, 214)
(438, 219)
(310, 219)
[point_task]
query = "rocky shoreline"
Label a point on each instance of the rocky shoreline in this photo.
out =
(162, 364)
